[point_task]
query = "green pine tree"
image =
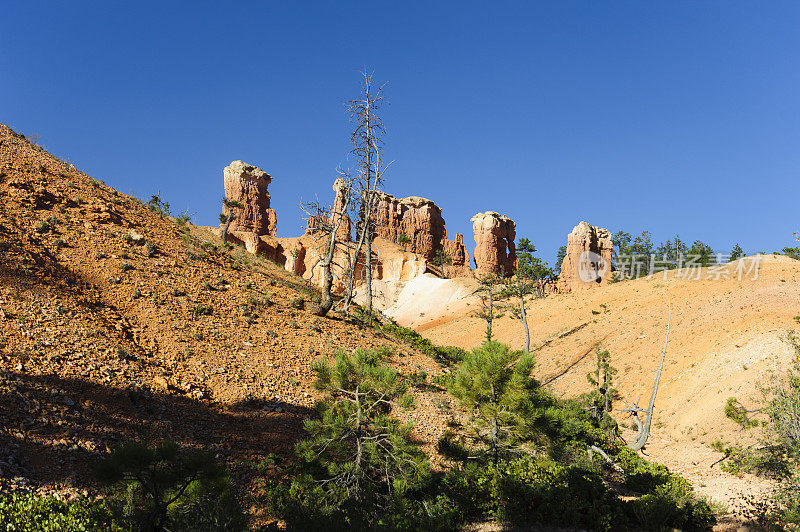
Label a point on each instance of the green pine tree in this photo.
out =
(357, 458)
(489, 310)
(227, 216)
(167, 489)
(601, 399)
(495, 384)
(736, 253)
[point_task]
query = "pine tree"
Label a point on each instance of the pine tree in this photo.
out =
(489, 310)
(357, 458)
(736, 253)
(227, 216)
(531, 277)
(495, 384)
(601, 400)
(162, 483)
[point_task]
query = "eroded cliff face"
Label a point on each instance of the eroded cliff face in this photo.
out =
(417, 225)
(495, 251)
(410, 236)
(588, 260)
(248, 185)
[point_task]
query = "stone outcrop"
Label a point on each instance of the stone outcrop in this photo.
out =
(248, 184)
(587, 262)
(495, 252)
(340, 187)
(345, 228)
(417, 225)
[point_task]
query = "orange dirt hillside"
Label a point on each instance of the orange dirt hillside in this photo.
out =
(726, 337)
(117, 323)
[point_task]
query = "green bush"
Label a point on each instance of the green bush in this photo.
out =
(444, 355)
(31, 513)
(531, 491)
(640, 475)
(43, 226)
(672, 505)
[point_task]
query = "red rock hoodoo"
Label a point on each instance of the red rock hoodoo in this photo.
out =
(495, 252)
(248, 184)
(588, 259)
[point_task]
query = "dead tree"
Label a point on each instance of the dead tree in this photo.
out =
(367, 143)
(643, 429)
(326, 223)
(227, 216)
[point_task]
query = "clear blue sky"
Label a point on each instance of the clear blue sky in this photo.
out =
(680, 117)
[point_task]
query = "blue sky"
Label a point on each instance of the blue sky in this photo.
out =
(680, 117)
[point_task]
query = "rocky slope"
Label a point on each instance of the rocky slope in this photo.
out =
(119, 323)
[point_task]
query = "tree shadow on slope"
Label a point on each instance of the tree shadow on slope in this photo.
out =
(56, 428)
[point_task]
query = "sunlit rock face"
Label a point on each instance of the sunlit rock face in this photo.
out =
(587, 262)
(495, 252)
(248, 185)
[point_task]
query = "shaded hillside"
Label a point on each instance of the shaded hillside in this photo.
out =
(117, 323)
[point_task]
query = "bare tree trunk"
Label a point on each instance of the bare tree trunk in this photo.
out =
(490, 319)
(368, 255)
(225, 230)
(644, 430)
(351, 272)
(366, 141)
(524, 319)
(326, 301)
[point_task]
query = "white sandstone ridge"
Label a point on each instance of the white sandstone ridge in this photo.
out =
(423, 299)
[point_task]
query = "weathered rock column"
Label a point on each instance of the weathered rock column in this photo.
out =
(248, 185)
(587, 262)
(495, 251)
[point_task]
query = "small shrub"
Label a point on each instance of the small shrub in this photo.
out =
(201, 310)
(640, 475)
(418, 379)
(149, 250)
(30, 512)
(94, 182)
(183, 219)
(125, 266)
(43, 227)
(298, 303)
(735, 411)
